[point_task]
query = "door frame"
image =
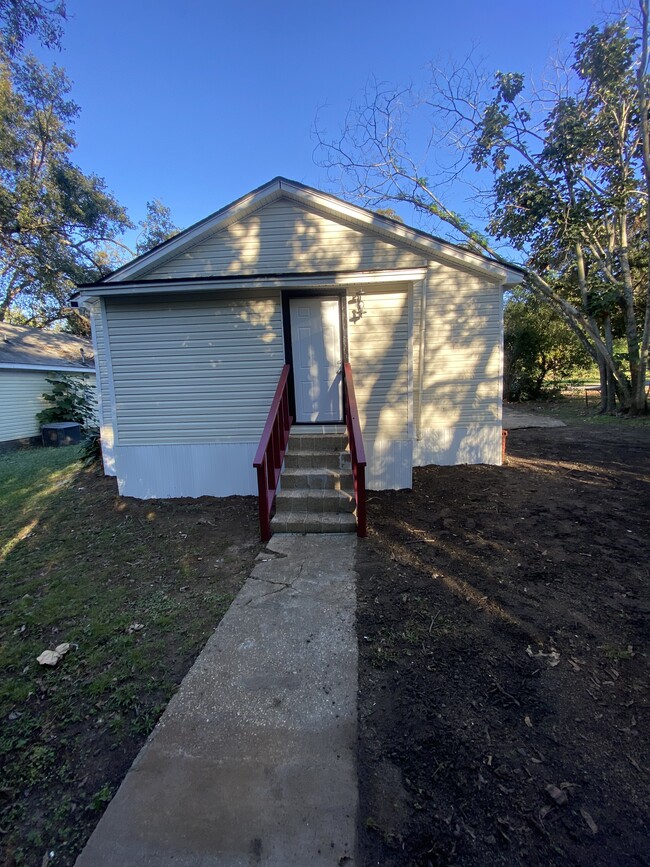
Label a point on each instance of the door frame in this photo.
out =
(287, 295)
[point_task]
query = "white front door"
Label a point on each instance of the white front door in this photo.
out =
(316, 347)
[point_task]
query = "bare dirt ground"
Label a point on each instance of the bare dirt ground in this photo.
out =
(503, 634)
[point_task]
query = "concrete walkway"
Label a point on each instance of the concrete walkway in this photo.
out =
(515, 419)
(253, 762)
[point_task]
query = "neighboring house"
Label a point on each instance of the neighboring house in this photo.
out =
(28, 356)
(191, 339)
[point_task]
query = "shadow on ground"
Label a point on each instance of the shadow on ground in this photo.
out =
(503, 658)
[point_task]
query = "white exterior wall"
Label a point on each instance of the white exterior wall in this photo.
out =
(193, 378)
(282, 238)
(20, 399)
(460, 417)
(380, 349)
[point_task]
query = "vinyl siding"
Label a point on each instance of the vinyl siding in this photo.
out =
(194, 369)
(378, 341)
(462, 364)
(20, 400)
(282, 238)
(460, 413)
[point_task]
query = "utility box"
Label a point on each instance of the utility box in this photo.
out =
(61, 433)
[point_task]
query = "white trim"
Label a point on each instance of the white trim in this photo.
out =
(326, 281)
(423, 340)
(501, 368)
(109, 371)
(93, 337)
(409, 372)
(281, 187)
(52, 367)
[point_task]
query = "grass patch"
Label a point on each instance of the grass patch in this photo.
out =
(136, 587)
(571, 408)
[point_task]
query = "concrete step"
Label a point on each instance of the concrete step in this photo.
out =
(311, 522)
(303, 459)
(318, 442)
(321, 501)
(304, 478)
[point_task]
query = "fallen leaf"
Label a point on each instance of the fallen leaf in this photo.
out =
(62, 649)
(593, 827)
(544, 811)
(528, 722)
(135, 627)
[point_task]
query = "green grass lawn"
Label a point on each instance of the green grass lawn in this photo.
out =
(81, 565)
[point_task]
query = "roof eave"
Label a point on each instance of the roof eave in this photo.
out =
(55, 366)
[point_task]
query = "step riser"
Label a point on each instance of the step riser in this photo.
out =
(330, 505)
(315, 443)
(347, 524)
(315, 481)
(308, 460)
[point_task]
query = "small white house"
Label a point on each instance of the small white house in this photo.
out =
(191, 339)
(28, 357)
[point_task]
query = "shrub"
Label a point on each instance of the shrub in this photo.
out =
(71, 399)
(91, 446)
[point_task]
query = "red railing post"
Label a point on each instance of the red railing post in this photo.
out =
(271, 450)
(357, 452)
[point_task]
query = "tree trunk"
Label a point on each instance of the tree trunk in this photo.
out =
(609, 393)
(631, 334)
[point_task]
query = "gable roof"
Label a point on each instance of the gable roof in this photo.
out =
(22, 347)
(384, 228)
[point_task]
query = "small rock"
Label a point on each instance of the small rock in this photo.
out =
(48, 657)
(52, 657)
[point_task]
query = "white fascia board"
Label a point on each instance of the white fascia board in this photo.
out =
(297, 281)
(52, 367)
(195, 234)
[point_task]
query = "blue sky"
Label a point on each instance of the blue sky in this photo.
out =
(197, 103)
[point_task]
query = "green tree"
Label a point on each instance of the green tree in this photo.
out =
(58, 226)
(20, 19)
(568, 182)
(157, 227)
(539, 348)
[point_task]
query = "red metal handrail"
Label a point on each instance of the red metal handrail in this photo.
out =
(357, 452)
(271, 450)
